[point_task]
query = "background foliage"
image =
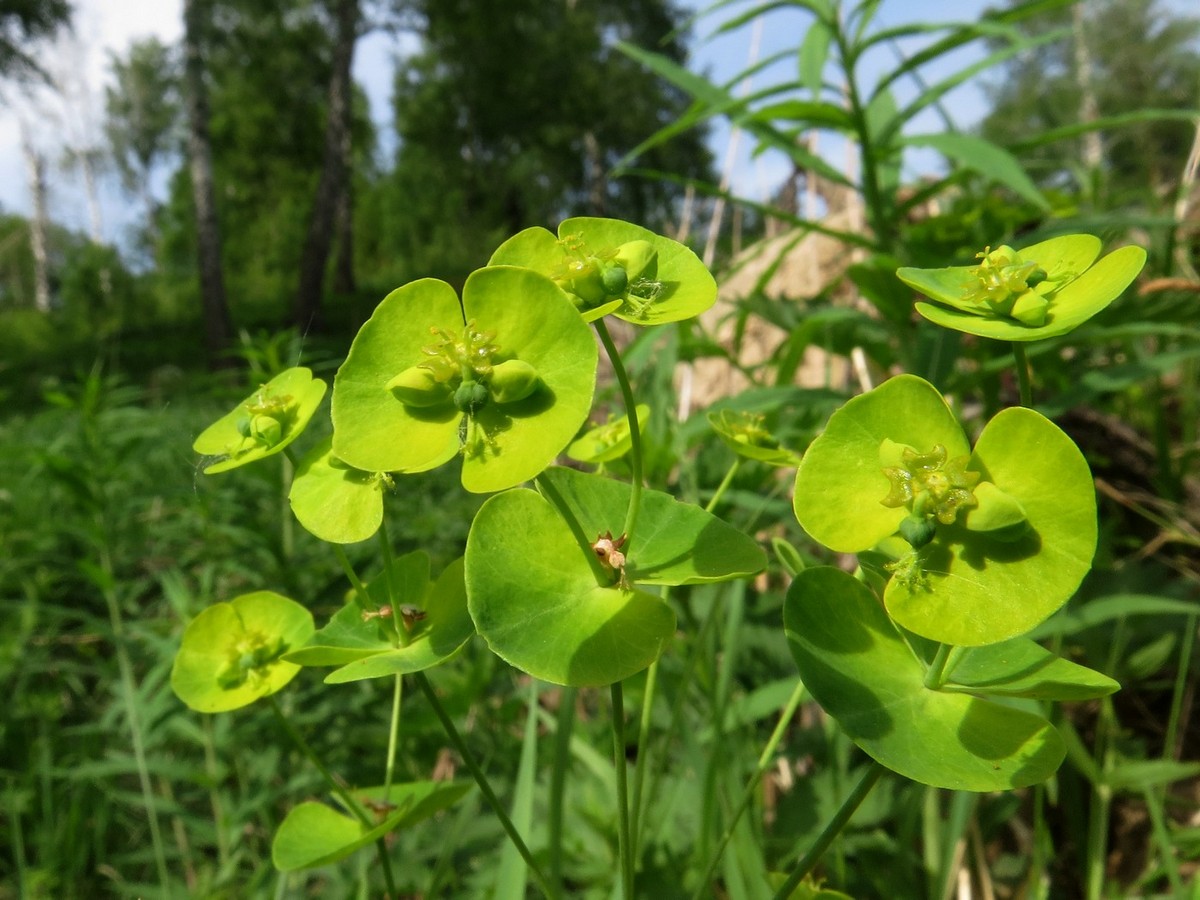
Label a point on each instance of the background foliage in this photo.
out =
(113, 541)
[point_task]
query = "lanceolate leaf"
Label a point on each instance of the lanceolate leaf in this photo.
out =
(984, 157)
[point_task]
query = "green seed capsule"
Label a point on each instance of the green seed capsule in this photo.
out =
(419, 387)
(471, 396)
(615, 280)
(513, 380)
(918, 531)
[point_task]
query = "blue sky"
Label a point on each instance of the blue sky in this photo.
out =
(107, 26)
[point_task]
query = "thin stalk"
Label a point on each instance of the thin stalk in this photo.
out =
(832, 829)
(618, 730)
(643, 748)
(129, 698)
(724, 485)
(351, 575)
(935, 675)
(1170, 750)
(635, 452)
(764, 761)
(214, 798)
(558, 782)
(389, 577)
(1024, 380)
(352, 806)
(485, 786)
(287, 531)
(393, 736)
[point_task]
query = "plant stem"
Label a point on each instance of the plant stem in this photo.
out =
(1023, 376)
(635, 452)
(643, 748)
(558, 782)
(764, 760)
(618, 730)
(128, 697)
(359, 588)
(352, 806)
(287, 534)
(393, 736)
(935, 675)
(724, 485)
(485, 786)
(832, 829)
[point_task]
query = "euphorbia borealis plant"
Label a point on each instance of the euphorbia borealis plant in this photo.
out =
(968, 547)
(1040, 291)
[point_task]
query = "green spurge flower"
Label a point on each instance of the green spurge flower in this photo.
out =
(995, 539)
(264, 423)
(505, 379)
(231, 653)
(609, 266)
(1040, 291)
(609, 441)
(746, 434)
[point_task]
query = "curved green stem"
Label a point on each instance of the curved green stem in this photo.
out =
(359, 588)
(832, 829)
(619, 763)
(724, 485)
(389, 577)
(352, 806)
(485, 786)
(1024, 380)
(635, 436)
(764, 760)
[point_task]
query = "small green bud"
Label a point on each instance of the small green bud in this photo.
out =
(470, 396)
(419, 387)
(513, 380)
(639, 259)
(267, 430)
(583, 279)
(918, 531)
(615, 280)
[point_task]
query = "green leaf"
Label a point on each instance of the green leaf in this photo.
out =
(858, 667)
(983, 587)
(1101, 610)
(984, 157)
(526, 317)
(814, 51)
(232, 653)
(840, 483)
(1147, 774)
(1023, 668)
(334, 501)
(609, 441)
(675, 543)
(539, 600)
(434, 639)
(368, 420)
(314, 834)
(264, 423)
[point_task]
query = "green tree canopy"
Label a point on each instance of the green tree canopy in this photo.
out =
(1130, 55)
(511, 115)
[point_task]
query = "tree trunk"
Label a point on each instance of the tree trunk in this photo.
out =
(35, 163)
(218, 327)
(343, 268)
(334, 171)
(1089, 109)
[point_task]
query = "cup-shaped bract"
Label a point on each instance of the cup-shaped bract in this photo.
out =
(505, 378)
(232, 653)
(336, 502)
(1040, 291)
(264, 423)
(988, 566)
(610, 266)
(746, 434)
(609, 441)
